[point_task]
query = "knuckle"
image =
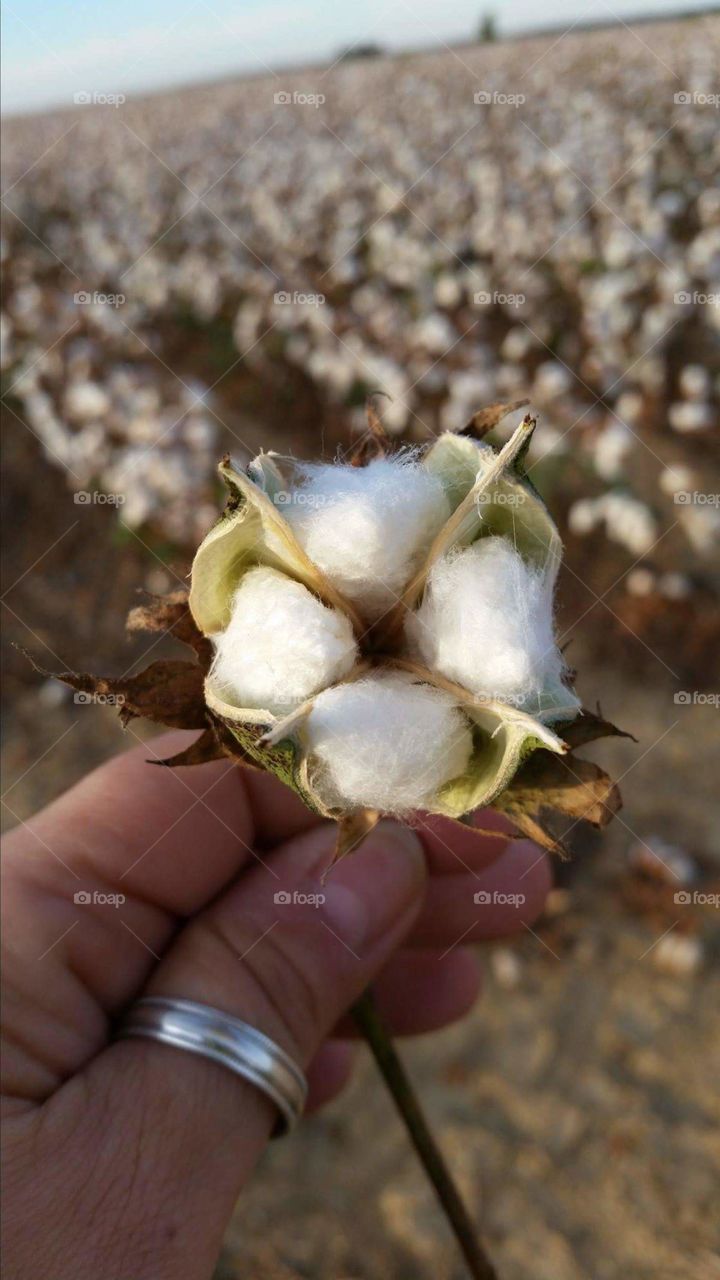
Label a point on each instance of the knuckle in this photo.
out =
(265, 975)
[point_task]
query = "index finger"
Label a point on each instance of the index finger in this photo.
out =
(169, 836)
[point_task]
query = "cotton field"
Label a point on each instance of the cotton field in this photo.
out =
(273, 262)
(245, 263)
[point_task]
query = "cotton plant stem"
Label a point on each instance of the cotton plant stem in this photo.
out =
(370, 1023)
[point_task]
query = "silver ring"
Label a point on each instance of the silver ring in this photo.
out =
(201, 1029)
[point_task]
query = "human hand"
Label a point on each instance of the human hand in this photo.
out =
(125, 1158)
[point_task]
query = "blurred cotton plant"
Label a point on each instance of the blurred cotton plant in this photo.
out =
(616, 339)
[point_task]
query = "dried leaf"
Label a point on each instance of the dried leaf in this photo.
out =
(375, 442)
(351, 831)
(172, 614)
(568, 785)
(535, 829)
(590, 726)
(169, 692)
(487, 419)
(469, 825)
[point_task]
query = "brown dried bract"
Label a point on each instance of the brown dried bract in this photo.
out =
(487, 419)
(172, 615)
(375, 441)
(567, 785)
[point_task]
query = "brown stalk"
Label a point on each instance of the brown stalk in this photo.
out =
(379, 1041)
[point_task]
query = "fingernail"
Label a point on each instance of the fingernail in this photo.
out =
(373, 890)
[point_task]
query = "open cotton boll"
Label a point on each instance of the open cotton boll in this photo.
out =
(486, 622)
(386, 742)
(367, 527)
(282, 644)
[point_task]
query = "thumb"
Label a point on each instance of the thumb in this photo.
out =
(288, 954)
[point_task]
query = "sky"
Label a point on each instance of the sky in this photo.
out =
(54, 49)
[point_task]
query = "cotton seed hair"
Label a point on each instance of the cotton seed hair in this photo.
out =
(486, 622)
(281, 645)
(367, 528)
(386, 742)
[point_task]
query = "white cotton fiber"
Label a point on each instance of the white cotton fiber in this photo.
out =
(367, 528)
(386, 742)
(281, 646)
(486, 622)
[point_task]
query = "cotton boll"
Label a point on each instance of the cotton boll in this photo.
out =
(675, 586)
(675, 478)
(551, 380)
(629, 406)
(583, 517)
(486, 623)
(611, 448)
(629, 522)
(86, 400)
(386, 742)
(687, 415)
(282, 644)
(694, 382)
(367, 527)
